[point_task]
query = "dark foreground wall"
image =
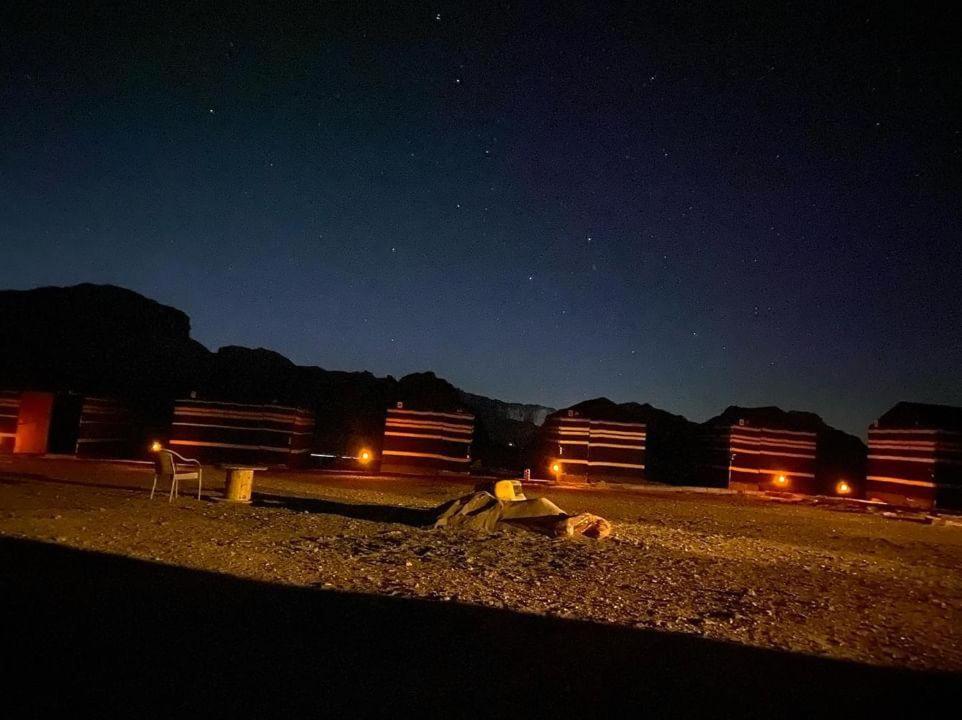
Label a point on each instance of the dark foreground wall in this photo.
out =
(95, 635)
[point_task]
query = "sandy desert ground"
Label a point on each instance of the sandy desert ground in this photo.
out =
(792, 576)
(832, 582)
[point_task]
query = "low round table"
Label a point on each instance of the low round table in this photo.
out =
(239, 482)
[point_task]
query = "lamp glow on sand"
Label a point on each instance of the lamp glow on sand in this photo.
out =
(364, 456)
(155, 446)
(843, 488)
(781, 481)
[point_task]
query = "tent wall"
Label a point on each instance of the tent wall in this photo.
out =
(33, 423)
(915, 467)
(426, 442)
(715, 457)
(227, 432)
(568, 440)
(106, 429)
(9, 412)
(616, 450)
(746, 457)
(595, 450)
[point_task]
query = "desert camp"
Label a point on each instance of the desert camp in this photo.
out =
(480, 360)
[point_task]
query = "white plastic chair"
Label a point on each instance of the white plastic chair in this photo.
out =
(169, 466)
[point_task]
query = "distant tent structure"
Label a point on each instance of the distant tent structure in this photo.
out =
(65, 423)
(9, 412)
(626, 442)
(426, 442)
(566, 454)
(217, 431)
(743, 456)
(105, 429)
(915, 457)
(770, 449)
(582, 448)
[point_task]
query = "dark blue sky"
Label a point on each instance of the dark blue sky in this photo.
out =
(757, 206)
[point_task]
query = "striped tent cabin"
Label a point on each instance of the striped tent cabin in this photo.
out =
(105, 430)
(214, 431)
(425, 442)
(582, 449)
(9, 413)
(747, 457)
(915, 457)
(568, 438)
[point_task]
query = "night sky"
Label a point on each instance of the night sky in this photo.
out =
(755, 206)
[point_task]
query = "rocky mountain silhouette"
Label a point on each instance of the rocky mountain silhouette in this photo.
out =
(107, 340)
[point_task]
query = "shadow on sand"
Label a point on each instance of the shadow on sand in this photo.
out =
(377, 513)
(135, 639)
(18, 478)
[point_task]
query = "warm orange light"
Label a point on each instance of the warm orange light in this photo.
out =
(556, 468)
(781, 481)
(155, 446)
(364, 456)
(843, 488)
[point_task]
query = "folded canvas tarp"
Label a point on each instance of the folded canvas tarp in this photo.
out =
(483, 511)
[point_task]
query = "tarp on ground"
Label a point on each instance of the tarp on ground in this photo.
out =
(483, 511)
(477, 511)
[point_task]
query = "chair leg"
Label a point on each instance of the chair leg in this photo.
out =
(154, 487)
(200, 481)
(173, 490)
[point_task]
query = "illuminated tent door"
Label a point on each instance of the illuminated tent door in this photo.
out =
(33, 423)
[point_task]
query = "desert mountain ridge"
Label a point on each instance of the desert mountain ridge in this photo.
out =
(104, 339)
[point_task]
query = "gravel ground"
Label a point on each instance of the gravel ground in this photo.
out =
(833, 581)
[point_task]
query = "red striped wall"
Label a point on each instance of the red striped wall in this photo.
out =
(242, 433)
(568, 440)
(594, 450)
(915, 467)
(426, 442)
(616, 450)
(742, 456)
(106, 429)
(9, 412)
